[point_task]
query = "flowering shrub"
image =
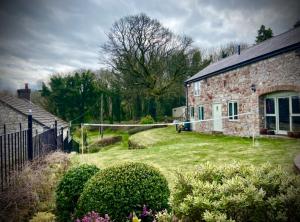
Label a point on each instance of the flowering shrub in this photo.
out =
(237, 192)
(146, 216)
(70, 188)
(121, 189)
(94, 217)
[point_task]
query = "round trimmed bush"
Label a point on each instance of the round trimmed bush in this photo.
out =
(69, 189)
(120, 190)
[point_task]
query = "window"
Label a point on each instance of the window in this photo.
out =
(197, 88)
(201, 113)
(233, 110)
(192, 112)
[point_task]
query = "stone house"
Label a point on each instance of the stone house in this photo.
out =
(252, 91)
(15, 110)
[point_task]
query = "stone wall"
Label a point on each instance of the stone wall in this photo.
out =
(13, 118)
(279, 73)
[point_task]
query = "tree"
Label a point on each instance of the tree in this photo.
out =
(72, 96)
(197, 62)
(263, 34)
(226, 50)
(147, 58)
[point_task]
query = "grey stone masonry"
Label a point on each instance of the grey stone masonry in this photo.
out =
(12, 118)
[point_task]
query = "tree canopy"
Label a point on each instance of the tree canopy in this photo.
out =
(149, 61)
(263, 34)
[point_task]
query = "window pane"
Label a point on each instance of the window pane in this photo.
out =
(271, 122)
(199, 113)
(296, 104)
(230, 110)
(192, 111)
(296, 123)
(202, 112)
(235, 110)
(270, 106)
(284, 114)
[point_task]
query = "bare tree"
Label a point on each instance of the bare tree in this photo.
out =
(146, 57)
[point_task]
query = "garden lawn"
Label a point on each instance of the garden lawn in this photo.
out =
(170, 151)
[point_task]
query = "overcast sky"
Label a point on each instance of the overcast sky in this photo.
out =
(39, 37)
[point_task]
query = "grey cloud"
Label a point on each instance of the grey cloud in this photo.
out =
(40, 37)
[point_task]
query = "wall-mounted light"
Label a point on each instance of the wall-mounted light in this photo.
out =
(253, 88)
(188, 85)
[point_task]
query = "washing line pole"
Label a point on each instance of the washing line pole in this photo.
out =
(101, 115)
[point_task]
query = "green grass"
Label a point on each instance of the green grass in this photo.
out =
(170, 151)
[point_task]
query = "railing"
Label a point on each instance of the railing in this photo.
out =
(16, 148)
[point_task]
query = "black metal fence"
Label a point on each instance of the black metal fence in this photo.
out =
(18, 147)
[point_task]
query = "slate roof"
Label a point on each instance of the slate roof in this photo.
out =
(284, 42)
(38, 114)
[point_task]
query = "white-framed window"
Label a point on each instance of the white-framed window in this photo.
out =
(233, 110)
(197, 87)
(192, 111)
(201, 112)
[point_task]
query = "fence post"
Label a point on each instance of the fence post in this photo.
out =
(29, 136)
(20, 147)
(55, 134)
(5, 156)
(62, 138)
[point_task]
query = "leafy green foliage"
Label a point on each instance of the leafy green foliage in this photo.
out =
(237, 192)
(163, 216)
(263, 34)
(71, 96)
(43, 217)
(70, 188)
(147, 120)
(120, 190)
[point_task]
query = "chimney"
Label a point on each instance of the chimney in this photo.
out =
(239, 49)
(24, 93)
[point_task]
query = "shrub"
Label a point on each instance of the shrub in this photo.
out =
(33, 187)
(43, 217)
(70, 188)
(122, 189)
(142, 128)
(237, 192)
(135, 145)
(163, 216)
(147, 120)
(104, 142)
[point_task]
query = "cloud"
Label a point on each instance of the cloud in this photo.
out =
(39, 37)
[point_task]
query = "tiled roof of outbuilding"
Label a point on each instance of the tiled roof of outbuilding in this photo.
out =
(284, 42)
(38, 114)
